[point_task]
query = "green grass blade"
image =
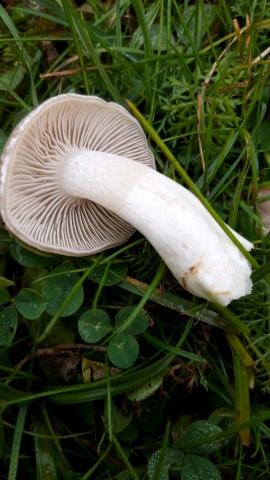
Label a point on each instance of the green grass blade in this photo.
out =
(242, 396)
(16, 444)
(14, 32)
(122, 454)
(72, 21)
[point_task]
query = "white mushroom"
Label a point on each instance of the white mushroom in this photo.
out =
(263, 206)
(76, 179)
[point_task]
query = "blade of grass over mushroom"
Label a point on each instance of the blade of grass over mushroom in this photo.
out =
(56, 317)
(122, 250)
(183, 174)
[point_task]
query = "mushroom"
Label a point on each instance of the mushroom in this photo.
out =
(263, 206)
(77, 177)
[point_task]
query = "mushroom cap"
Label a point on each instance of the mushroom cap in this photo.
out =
(32, 206)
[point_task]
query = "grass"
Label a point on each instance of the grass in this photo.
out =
(195, 399)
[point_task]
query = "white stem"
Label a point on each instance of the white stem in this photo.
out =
(197, 251)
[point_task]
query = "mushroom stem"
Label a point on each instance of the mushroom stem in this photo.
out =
(198, 253)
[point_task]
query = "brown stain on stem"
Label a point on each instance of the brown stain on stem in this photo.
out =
(192, 271)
